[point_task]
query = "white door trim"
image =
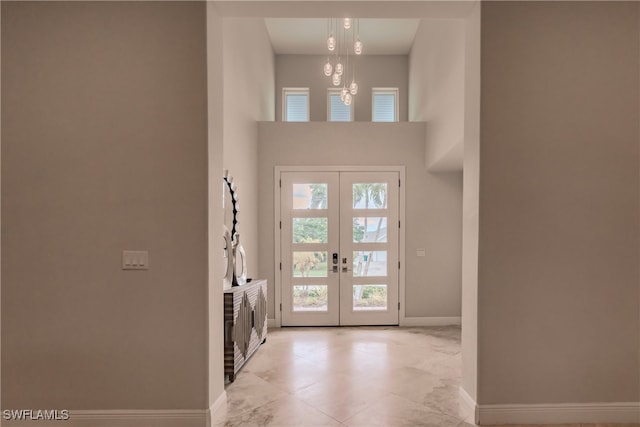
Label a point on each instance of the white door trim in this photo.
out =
(276, 226)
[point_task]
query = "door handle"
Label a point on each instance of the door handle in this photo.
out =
(334, 269)
(344, 265)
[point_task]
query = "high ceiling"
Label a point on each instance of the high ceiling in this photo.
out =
(381, 9)
(386, 26)
(309, 35)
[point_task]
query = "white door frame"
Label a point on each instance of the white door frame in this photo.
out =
(276, 226)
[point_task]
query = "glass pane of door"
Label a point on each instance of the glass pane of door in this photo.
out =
(309, 264)
(369, 263)
(369, 297)
(310, 230)
(369, 195)
(310, 196)
(369, 229)
(310, 297)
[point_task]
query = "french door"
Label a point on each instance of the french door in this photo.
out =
(339, 248)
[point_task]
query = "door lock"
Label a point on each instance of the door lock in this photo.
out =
(335, 262)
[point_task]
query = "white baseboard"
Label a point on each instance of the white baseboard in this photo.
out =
(563, 413)
(123, 418)
(430, 321)
(407, 321)
(470, 406)
(221, 402)
(218, 408)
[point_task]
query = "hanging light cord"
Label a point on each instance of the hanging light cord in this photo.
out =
(340, 72)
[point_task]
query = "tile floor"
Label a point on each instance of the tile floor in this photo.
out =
(365, 376)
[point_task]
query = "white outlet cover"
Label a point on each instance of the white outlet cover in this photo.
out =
(135, 260)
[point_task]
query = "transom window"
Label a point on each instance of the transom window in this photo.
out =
(295, 104)
(337, 111)
(384, 105)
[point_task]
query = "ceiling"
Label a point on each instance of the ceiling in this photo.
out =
(309, 35)
(381, 9)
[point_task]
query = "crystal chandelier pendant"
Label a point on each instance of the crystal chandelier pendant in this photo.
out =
(357, 47)
(353, 88)
(328, 68)
(347, 23)
(339, 68)
(348, 98)
(336, 79)
(331, 43)
(343, 93)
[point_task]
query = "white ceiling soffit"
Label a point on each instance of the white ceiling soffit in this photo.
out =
(309, 36)
(381, 9)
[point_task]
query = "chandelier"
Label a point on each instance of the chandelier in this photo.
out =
(347, 33)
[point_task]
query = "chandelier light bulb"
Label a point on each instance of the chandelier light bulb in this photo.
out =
(343, 93)
(347, 23)
(357, 47)
(353, 88)
(339, 68)
(328, 69)
(336, 79)
(331, 43)
(347, 99)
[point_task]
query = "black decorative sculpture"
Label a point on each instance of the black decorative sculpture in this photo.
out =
(236, 274)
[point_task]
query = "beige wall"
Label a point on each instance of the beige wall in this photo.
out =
(104, 148)
(433, 209)
(371, 71)
(249, 97)
(215, 218)
(470, 204)
(437, 90)
(444, 92)
(558, 248)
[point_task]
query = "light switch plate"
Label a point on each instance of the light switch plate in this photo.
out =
(135, 260)
(421, 252)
